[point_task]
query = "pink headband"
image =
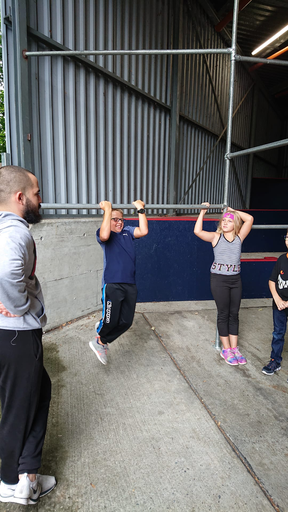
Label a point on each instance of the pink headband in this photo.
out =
(228, 215)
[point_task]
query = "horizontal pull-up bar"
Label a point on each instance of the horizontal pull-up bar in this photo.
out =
(183, 51)
(71, 53)
(89, 206)
(270, 226)
(271, 145)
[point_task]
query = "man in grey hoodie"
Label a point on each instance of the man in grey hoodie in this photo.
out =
(25, 387)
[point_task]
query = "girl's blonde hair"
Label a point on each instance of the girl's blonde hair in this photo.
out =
(237, 223)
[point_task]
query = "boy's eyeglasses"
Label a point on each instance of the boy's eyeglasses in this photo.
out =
(285, 237)
(116, 219)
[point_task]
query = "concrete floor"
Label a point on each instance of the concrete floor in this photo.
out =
(167, 425)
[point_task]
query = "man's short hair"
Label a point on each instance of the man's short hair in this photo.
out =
(117, 210)
(13, 179)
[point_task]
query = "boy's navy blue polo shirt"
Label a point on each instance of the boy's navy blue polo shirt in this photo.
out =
(119, 257)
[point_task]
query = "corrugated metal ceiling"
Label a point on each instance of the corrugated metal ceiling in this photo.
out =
(257, 22)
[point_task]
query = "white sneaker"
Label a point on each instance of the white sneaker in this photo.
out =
(48, 483)
(96, 326)
(7, 492)
(27, 492)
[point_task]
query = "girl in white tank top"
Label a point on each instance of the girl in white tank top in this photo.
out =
(226, 285)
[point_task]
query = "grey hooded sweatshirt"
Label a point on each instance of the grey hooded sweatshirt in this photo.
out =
(20, 290)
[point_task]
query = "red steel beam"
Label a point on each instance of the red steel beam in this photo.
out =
(280, 94)
(229, 16)
(274, 56)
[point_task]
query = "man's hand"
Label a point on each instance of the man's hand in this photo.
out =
(4, 311)
(138, 204)
(106, 206)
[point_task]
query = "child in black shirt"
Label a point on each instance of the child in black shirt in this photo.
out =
(278, 284)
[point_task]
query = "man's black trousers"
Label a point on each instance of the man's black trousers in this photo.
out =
(119, 302)
(25, 393)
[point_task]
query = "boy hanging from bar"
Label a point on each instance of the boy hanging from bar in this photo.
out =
(119, 292)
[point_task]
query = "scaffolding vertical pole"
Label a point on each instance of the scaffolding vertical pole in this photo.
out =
(21, 87)
(229, 122)
(252, 144)
(231, 98)
(217, 340)
(174, 127)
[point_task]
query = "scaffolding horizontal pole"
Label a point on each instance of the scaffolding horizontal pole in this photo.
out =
(270, 226)
(71, 53)
(271, 145)
(89, 206)
(70, 206)
(277, 62)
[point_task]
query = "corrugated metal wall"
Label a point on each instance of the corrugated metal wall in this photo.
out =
(104, 142)
(204, 103)
(94, 138)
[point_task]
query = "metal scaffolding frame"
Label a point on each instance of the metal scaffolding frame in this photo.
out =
(20, 42)
(228, 155)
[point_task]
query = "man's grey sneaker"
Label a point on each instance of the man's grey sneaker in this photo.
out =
(100, 350)
(48, 483)
(27, 492)
(271, 367)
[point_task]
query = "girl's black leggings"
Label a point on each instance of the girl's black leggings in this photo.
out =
(227, 292)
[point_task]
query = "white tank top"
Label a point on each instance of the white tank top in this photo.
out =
(227, 256)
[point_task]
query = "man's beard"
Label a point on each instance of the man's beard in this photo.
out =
(31, 213)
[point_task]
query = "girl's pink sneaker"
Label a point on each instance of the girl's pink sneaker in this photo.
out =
(241, 359)
(229, 356)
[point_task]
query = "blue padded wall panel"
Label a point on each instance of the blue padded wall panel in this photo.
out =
(255, 276)
(266, 240)
(174, 265)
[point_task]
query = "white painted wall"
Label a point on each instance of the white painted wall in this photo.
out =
(69, 267)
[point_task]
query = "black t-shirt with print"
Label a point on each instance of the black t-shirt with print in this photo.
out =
(280, 277)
